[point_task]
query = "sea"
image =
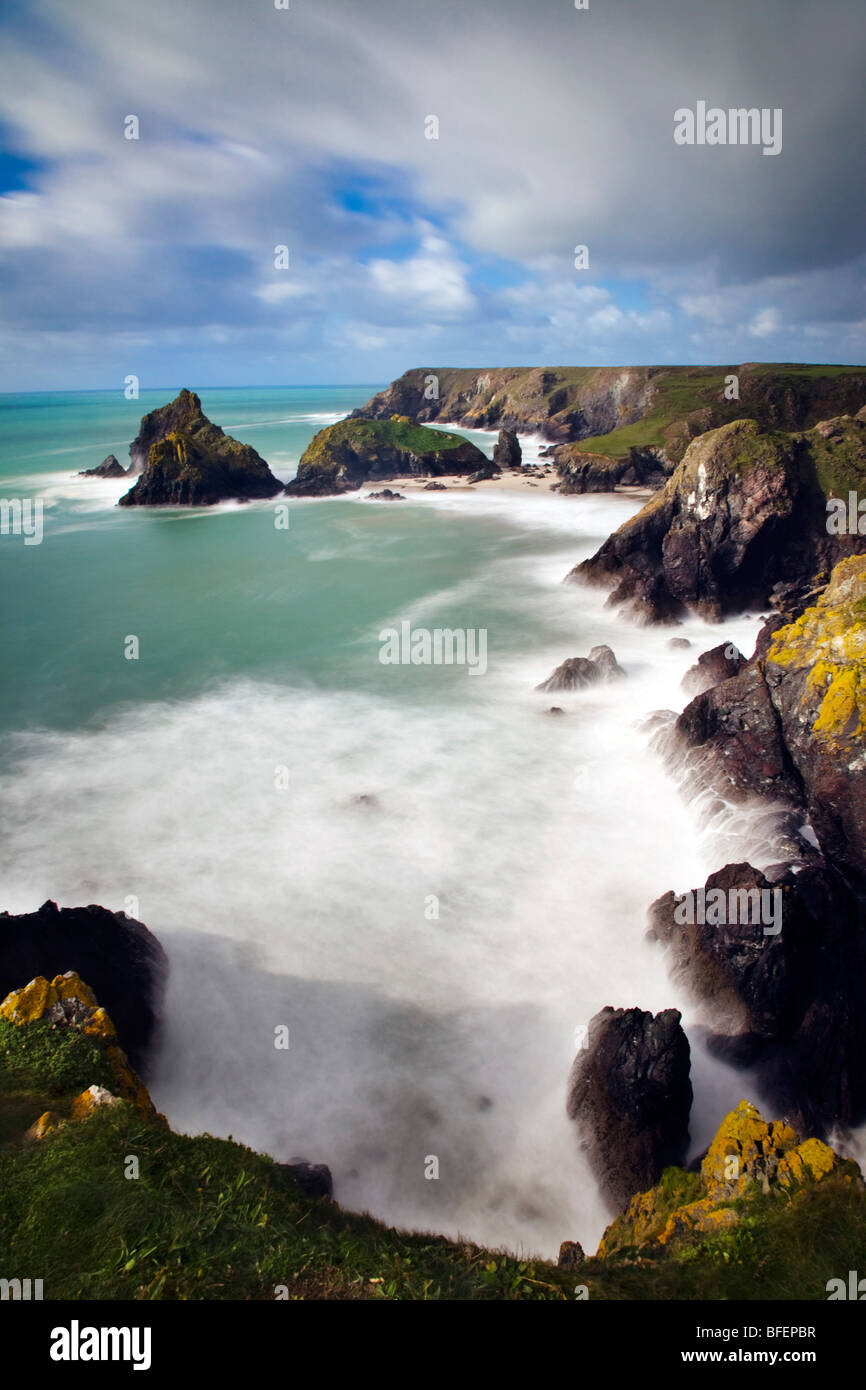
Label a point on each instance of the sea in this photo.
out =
(392, 895)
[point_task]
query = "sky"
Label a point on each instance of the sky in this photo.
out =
(308, 127)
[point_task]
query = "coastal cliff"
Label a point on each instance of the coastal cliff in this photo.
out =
(621, 408)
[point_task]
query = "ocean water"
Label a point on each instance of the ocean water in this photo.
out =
(431, 882)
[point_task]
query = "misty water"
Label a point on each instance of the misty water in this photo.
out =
(432, 882)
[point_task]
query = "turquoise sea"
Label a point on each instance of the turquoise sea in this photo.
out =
(430, 880)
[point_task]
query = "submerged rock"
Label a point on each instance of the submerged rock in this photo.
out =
(631, 1094)
(386, 495)
(189, 462)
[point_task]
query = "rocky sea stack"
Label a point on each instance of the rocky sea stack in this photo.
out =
(344, 456)
(189, 462)
(109, 468)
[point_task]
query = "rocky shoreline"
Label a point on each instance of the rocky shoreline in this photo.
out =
(773, 954)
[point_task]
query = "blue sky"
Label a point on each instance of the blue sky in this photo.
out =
(307, 128)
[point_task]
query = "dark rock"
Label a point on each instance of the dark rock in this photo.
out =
(579, 671)
(556, 709)
(570, 1254)
(109, 468)
(314, 1179)
(744, 510)
(712, 667)
(121, 961)
(790, 1003)
(485, 474)
(507, 452)
(435, 487)
(190, 462)
(631, 1094)
(386, 495)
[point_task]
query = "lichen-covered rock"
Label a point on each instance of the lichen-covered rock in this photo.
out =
(630, 1093)
(571, 1255)
(344, 456)
(187, 461)
(815, 670)
(48, 1123)
(67, 1001)
(122, 961)
(749, 1158)
(91, 1099)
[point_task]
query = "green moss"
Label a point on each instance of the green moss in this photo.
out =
(50, 1059)
(362, 435)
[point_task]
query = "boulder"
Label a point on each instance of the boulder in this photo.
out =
(124, 963)
(386, 495)
(630, 1092)
(579, 671)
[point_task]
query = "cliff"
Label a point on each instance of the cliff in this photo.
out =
(620, 409)
(746, 509)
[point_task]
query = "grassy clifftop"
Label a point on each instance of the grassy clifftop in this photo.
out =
(106, 1202)
(616, 409)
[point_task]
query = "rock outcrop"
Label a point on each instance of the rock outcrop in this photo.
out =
(187, 461)
(580, 471)
(791, 724)
(744, 510)
(507, 452)
(748, 1159)
(344, 456)
(67, 1002)
(109, 468)
(630, 1092)
(578, 671)
(778, 963)
(123, 961)
(711, 667)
